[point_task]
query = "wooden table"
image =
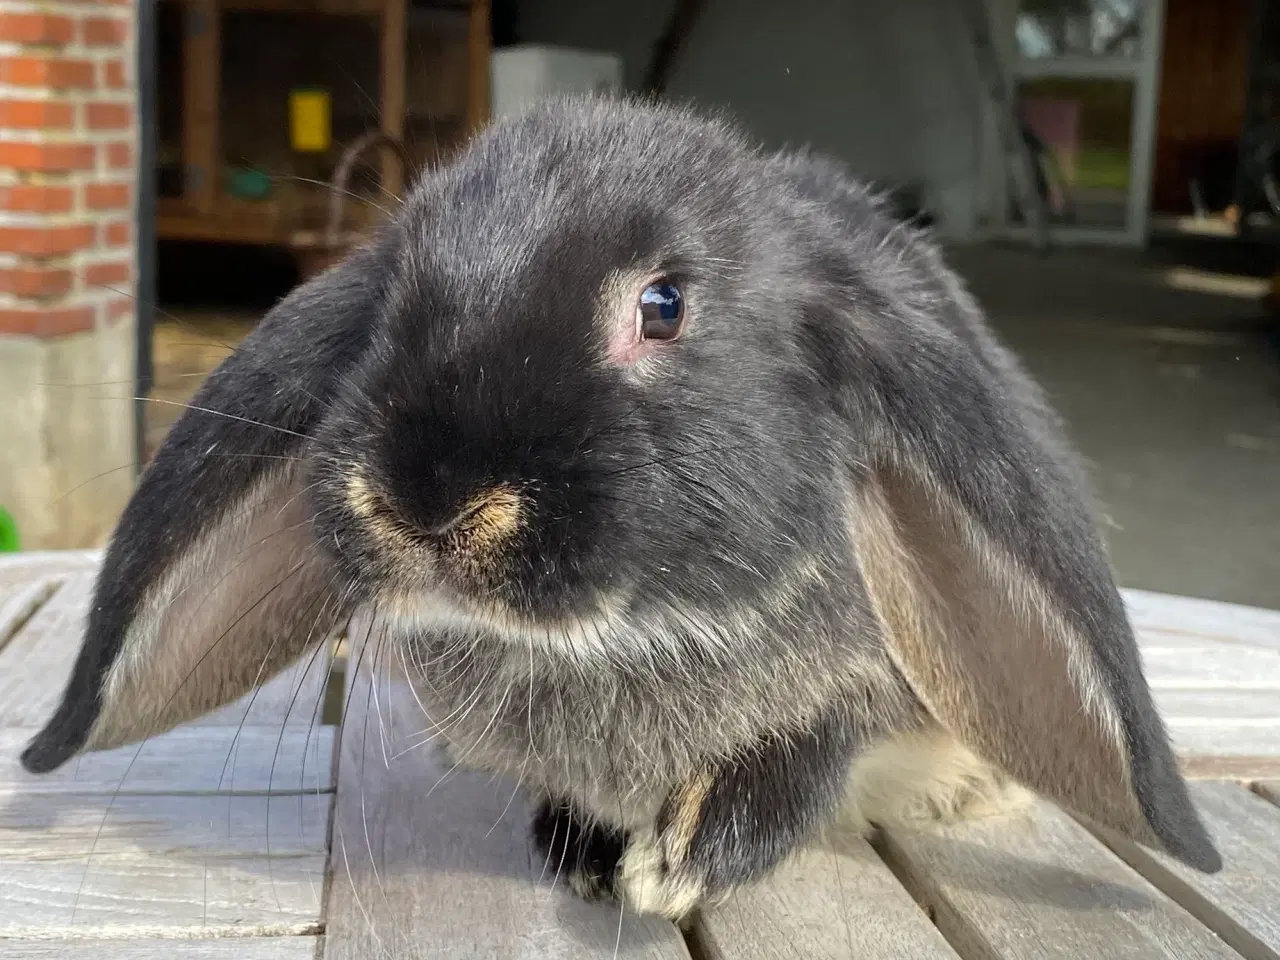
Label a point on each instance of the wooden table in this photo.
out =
(260, 833)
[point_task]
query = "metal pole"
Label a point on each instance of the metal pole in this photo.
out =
(146, 221)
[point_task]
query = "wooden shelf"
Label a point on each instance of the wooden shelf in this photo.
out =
(205, 213)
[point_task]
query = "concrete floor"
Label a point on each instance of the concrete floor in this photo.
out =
(1174, 399)
(1172, 395)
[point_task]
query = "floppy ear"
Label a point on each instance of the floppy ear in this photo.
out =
(981, 559)
(211, 584)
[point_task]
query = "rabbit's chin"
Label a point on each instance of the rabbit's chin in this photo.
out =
(592, 632)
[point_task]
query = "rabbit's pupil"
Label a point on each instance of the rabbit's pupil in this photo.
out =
(661, 311)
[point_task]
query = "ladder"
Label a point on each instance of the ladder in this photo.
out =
(1018, 163)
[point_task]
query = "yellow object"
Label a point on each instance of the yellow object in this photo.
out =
(309, 117)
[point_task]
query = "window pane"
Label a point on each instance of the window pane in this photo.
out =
(1080, 28)
(1080, 134)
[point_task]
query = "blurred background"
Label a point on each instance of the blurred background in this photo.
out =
(1102, 173)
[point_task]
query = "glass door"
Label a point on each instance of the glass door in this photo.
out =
(1085, 74)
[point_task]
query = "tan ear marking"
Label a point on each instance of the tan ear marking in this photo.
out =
(987, 652)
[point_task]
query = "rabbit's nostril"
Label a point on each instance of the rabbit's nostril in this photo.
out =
(485, 521)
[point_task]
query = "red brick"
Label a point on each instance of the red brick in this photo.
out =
(47, 156)
(119, 156)
(55, 72)
(36, 28)
(35, 282)
(35, 114)
(104, 31)
(46, 241)
(30, 198)
(107, 196)
(47, 322)
(111, 274)
(113, 75)
(108, 116)
(118, 234)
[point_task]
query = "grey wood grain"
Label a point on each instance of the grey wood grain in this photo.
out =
(36, 662)
(156, 865)
(1040, 886)
(230, 948)
(834, 901)
(1211, 620)
(1212, 666)
(19, 601)
(1268, 790)
(18, 568)
(426, 863)
(192, 759)
(1242, 902)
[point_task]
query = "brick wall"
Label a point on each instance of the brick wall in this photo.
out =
(68, 147)
(67, 165)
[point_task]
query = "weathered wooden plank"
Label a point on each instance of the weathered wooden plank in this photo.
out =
(1218, 704)
(19, 601)
(1220, 666)
(230, 948)
(426, 863)
(34, 666)
(156, 865)
(1210, 619)
(1268, 790)
(1225, 737)
(1242, 902)
(837, 900)
(193, 759)
(16, 568)
(1039, 886)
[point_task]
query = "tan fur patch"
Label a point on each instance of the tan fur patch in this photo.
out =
(685, 808)
(926, 778)
(649, 885)
(490, 519)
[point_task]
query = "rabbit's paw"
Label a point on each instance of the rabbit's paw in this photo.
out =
(585, 853)
(655, 876)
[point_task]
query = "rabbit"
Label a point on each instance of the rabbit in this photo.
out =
(693, 488)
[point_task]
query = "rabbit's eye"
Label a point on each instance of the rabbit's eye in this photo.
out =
(660, 313)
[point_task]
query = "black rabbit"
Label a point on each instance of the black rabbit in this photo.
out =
(699, 450)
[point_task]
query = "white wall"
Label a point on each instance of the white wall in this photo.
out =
(889, 86)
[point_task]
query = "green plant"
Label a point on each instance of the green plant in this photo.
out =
(8, 533)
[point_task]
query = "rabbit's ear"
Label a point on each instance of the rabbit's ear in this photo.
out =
(212, 584)
(982, 562)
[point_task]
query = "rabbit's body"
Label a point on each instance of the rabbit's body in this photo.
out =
(684, 480)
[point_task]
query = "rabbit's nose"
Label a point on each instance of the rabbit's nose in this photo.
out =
(484, 521)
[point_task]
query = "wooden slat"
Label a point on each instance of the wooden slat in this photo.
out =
(479, 55)
(35, 664)
(427, 864)
(1218, 666)
(834, 902)
(393, 81)
(233, 948)
(19, 601)
(1041, 887)
(1242, 902)
(194, 759)
(201, 93)
(1268, 790)
(1209, 619)
(18, 568)
(156, 866)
